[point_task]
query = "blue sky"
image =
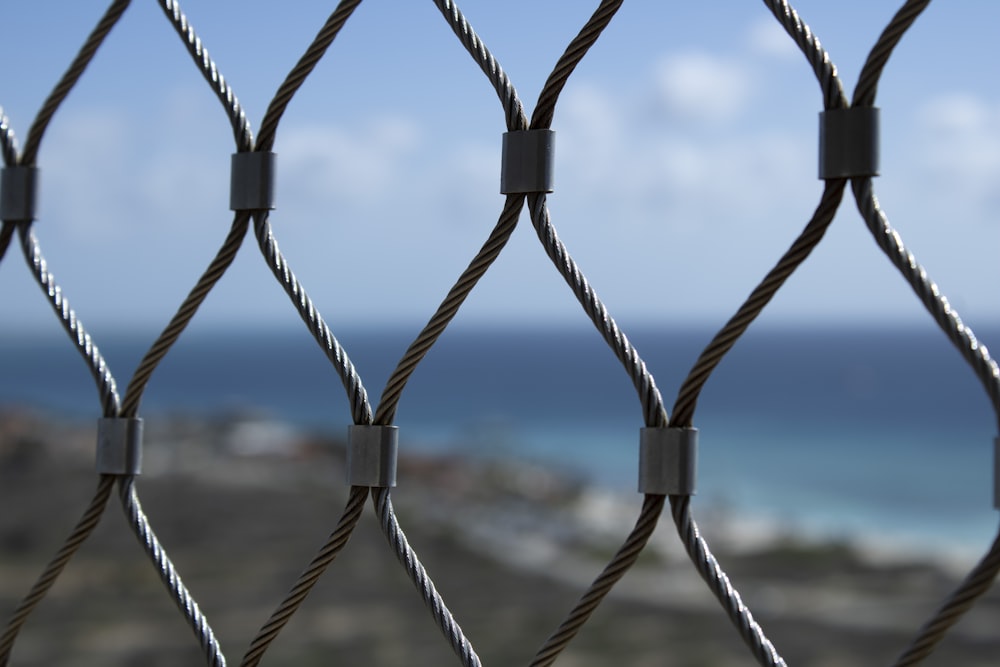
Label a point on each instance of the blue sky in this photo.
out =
(686, 163)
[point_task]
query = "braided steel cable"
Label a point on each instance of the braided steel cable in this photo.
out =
(216, 269)
(824, 69)
(106, 387)
(833, 98)
(105, 381)
(8, 142)
(571, 57)
(490, 250)
(8, 148)
(168, 573)
(69, 79)
(687, 396)
(83, 529)
(977, 582)
(307, 580)
(623, 560)
(389, 401)
(653, 405)
(871, 71)
(302, 69)
(6, 233)
(718, 582)
(222, 90)
(946, 317)
(361, 410)
(513, 110)
(654, 414)
(418, 575)
(888, 240)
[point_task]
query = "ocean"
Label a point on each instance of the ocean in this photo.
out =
(839, 432)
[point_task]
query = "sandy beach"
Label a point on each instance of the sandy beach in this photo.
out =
(242, 506)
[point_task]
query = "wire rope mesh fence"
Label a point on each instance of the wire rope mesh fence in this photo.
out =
(668, 447)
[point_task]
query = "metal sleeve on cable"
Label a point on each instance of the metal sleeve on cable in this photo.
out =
(251, 185)
(526, 161)
(18, 193)
(119, 446)
(668, 461)
(372, 452)
(849, 142)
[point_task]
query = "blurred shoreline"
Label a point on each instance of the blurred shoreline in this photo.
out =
(523, 518)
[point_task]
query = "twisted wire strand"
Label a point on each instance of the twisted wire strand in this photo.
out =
(871, 71)
(825, 71)
(684, 407)
(946, 317)
(977, 582)
(623, 560)
(83, 529)
(687, 395)
(216, 269)
(307, 580)
(718, 582)
(654, 413)
(361, 410)
(541, 118)
(801, 248)
(69, 79)
(8, 141)
(6, 233)
(106, 387)
(418, 575)
(237, 118)
(168, 574)
(513, 110)
(389, 401)
(295, 78)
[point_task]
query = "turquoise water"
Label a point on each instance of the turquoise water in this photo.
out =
(853, 431)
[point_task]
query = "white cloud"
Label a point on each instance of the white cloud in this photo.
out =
(702, 85)
(958, 139)
(766, 37)
(353, 164)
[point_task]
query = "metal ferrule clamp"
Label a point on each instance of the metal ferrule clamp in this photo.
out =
(526, 161)
(668, 461)
(251, 184)
(18, 193)
(119, 446)
(371, 455)
(849, 142)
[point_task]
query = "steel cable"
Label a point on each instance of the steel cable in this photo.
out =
(718, 582)
(8, 142)
(418, 575)
(977, 582)
(385, 414)
(216, 269)
(389, 401)
(106, 387)
(302, 69)
(302, 587)
(360, 407)
(168, 573)
(69, 79)
(621, 563)
(237, 118)
(107, 390)
(513, 111)
(83, 529)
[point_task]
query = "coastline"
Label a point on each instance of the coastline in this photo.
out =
(516, 521)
